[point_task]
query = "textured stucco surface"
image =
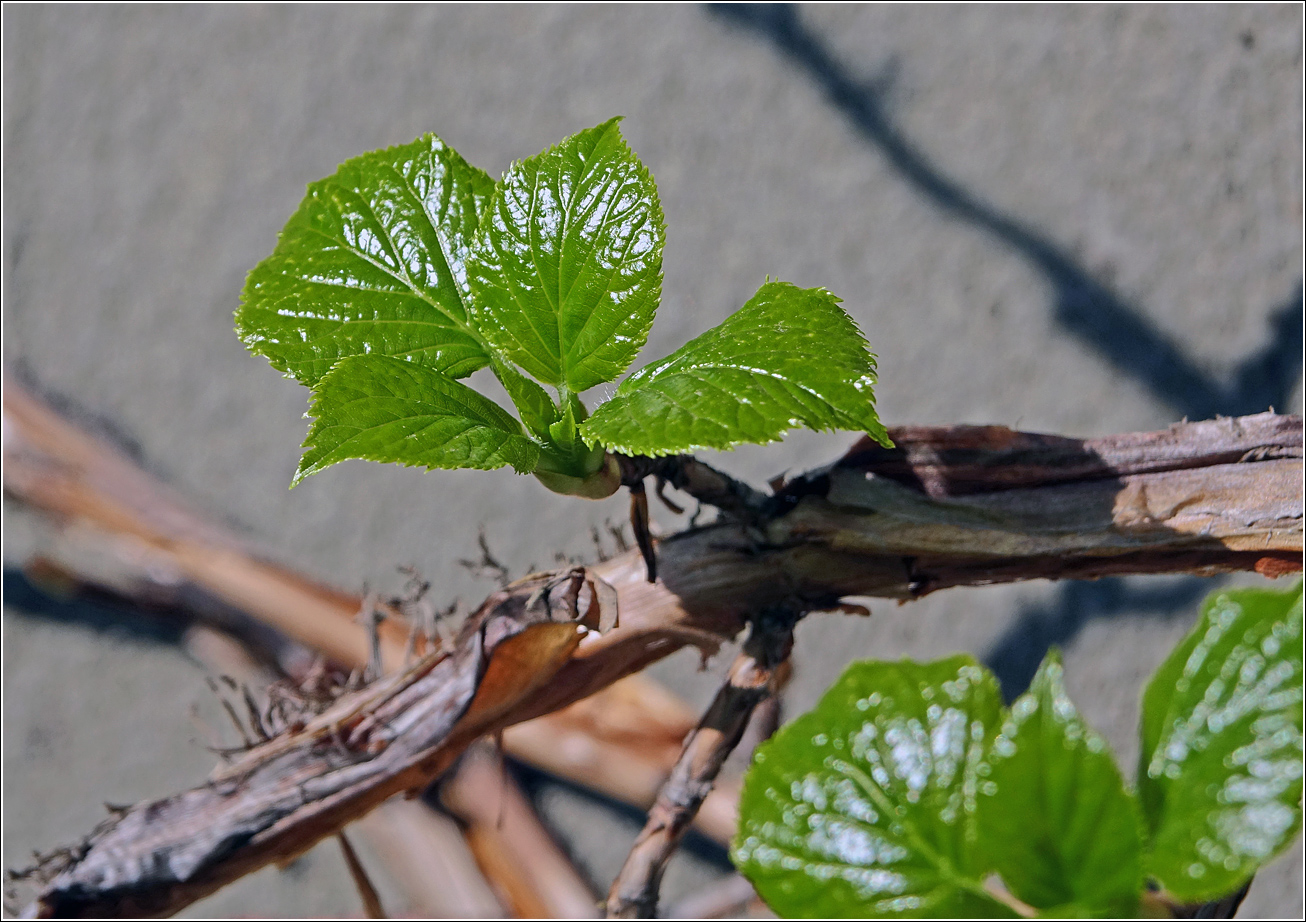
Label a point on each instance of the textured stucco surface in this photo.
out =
(1072, 219)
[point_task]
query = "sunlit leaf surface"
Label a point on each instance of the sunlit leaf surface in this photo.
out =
(866, 805)
(380, 408)
(373, 262)
(1220, 775)
(788, 358)
(567, 269)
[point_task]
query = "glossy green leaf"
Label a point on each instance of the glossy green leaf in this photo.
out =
(1054, 814)
(790, 357)
(567, 269)
(1220, 773)
(865, 806)
(533, 404)
(380, 408)
(373, 262)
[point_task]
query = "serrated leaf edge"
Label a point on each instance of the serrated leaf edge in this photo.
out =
(377, 158)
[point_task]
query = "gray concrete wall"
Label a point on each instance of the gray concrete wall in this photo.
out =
(1076, 219)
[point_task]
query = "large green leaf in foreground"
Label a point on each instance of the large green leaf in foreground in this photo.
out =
(567, 268)
(380, 408)
(1220, 773)
(373, 262)
(1054, 814)
(866, 805)
(790, 357)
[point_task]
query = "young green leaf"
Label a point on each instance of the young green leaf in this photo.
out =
(865, 806)
(373, 262)
(380, 408)
(532, 401)
(1220, 773)
(567, 268)
(789, 357)
(1054, 814)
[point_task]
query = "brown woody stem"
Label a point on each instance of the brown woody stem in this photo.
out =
(366, 890)
(705, 483)
(751, 680)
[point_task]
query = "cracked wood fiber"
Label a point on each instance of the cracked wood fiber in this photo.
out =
(948, 507)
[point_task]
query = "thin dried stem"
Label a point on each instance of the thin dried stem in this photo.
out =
(705, 483)
(639, 525)
(366, 891)
(751, 680)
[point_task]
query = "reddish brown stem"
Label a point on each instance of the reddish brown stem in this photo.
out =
(532, 875)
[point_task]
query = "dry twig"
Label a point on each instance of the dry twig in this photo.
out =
(752, 679)
(366, 890)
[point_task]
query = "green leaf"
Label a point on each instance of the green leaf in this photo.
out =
(373, 262)
(567, 268)
(789, 357)
(380, 408)
(1054, 814)
(1220, 773)
(532, 401)
(865, 806)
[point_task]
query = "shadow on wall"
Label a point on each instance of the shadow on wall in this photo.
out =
(99, 614)
(1105, 323)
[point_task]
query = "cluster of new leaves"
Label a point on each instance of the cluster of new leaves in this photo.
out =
(910, 785)
(410, 269)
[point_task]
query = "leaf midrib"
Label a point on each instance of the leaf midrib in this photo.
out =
(607, 278)
(565, 356)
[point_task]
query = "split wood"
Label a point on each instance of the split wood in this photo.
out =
(949, 507)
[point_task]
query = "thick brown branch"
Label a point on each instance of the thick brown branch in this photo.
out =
(752, 679)
(957, 460)
(1220, 496)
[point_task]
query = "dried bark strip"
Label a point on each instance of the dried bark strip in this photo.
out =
(415, 842)
(751, 680)
(957, 460)
(163, 554)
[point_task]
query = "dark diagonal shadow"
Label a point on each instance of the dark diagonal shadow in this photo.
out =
(1117, 331)
(1016, 655)
(95, 614)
